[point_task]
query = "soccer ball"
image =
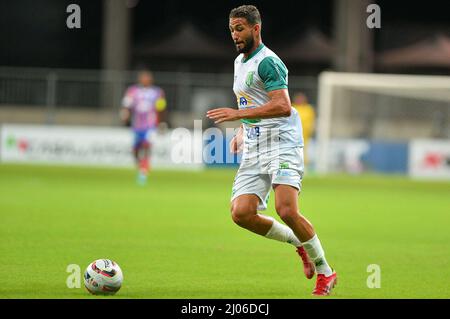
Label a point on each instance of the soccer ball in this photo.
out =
(103, 277)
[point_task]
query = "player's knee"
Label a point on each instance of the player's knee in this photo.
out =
(239, 217)
(287, 213)
(242, 213)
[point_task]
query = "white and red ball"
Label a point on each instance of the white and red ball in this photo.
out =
(103, 277)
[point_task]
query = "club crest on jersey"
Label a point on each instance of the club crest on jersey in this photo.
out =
(249, 78)
(284, 165)
(243, 101)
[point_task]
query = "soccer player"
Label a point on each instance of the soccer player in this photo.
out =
(261, 89)
(143, 105)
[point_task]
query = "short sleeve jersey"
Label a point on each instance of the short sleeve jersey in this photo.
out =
(254, 77)
(144, 102)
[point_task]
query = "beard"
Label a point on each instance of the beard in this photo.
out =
(248, 45)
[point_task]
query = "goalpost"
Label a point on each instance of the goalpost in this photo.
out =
(379, 107)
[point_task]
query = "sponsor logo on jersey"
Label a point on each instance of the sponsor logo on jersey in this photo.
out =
(285, 173)
(243, 101)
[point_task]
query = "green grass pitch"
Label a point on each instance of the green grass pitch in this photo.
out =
(174, 238)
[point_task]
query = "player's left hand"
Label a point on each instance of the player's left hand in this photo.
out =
(223, 114)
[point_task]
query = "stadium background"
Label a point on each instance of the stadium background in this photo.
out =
(385, 200)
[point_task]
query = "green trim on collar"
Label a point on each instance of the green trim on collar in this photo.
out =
(253, 53)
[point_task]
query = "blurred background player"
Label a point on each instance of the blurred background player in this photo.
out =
(143, 106)
(308, 117)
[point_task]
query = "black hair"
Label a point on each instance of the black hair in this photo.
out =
(248, 12)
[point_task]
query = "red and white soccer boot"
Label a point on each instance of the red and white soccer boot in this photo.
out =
(324, 284)
(308, 266)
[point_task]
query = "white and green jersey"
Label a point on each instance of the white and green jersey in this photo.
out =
(255, 76)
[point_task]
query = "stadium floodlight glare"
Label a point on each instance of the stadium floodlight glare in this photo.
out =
(349, 102)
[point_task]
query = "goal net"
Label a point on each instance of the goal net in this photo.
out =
(369, 122)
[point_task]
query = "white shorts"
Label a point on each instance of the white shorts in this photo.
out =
(258, 172)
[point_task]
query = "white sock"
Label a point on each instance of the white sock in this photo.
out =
(317, 255)
(282, 233)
